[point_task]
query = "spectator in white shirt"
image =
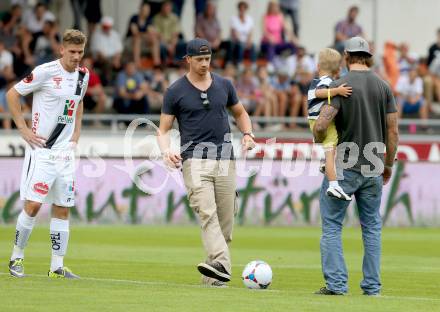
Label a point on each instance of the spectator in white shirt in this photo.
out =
(410, 99)
(242, 26)
(6, 74)
(34, 20)
(407, 59)
(106, 46)
(6, 63)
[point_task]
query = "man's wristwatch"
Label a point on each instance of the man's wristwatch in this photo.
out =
(249, 134)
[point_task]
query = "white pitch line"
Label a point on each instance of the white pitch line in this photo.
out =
(156, 283)
(152, 283)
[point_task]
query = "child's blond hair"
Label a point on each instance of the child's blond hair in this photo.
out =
(329, 60)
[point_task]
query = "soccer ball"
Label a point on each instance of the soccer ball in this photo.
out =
(257, 275)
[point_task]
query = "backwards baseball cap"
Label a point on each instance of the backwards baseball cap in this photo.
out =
(197, 47)
(357, 44)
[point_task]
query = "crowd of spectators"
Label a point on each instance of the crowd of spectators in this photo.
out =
(129, 72)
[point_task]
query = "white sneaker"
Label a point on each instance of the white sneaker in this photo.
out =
(338, 192)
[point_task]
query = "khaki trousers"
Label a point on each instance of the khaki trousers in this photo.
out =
(211, 186)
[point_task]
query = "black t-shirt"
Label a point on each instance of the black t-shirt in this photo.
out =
(361, 119)
(141, 27)
(434, 50)
(205, 132)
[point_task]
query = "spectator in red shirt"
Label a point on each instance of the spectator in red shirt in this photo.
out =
(95, 98)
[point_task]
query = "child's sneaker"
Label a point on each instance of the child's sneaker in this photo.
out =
(338, 192)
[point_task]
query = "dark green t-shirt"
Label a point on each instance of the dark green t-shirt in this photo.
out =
(361, 122)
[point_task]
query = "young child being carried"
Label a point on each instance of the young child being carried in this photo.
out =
(319, 94)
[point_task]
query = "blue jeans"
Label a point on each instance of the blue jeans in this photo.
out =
(236, 52)
(412, 108)
(368, 193)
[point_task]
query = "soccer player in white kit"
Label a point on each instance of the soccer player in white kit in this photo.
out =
(58, 88)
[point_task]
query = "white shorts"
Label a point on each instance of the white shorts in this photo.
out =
(48, 177)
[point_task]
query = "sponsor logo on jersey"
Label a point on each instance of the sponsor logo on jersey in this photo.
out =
(67, 117)
(72, 187)
(57, 81)
(35, 122)
(41, 188)
(29, 78)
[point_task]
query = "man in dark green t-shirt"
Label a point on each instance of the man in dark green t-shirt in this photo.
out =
(367, 125)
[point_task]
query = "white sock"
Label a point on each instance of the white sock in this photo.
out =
(334, 183)
(59, 236)
(23, 231)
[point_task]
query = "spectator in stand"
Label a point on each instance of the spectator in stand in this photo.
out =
(6, 122)
(428, 84)
(242, 26)
(304, 74)
(6, 74)
(230, 72)
(106, 46)
(34, 20)
(434, 64)
(273, 29)
(199, 7)
(155, 5)
(410, 95)
(267, 93)
(91, 10)
(247, 91)
(131, 91)
(9, 24)
(391, 64)
(434, 49)
(141, 31)
(281, 85)
(167, 25)
(347, 28)
(93, 14)
(208, 26)
(95, 97)
(46, 44)
(290, 9)
(6, 65)
(157, 85)
(377, 64)
(407, 59)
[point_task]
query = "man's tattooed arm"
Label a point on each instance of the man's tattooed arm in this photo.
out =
(327, 114)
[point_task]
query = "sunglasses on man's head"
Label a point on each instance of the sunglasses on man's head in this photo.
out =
(205, 100)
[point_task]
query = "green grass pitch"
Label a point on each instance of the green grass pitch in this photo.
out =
(144, 268)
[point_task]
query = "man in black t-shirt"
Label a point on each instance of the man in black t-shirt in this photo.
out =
(199, 101)
(367, 124)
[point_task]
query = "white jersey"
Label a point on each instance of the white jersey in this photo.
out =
(56, 96)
